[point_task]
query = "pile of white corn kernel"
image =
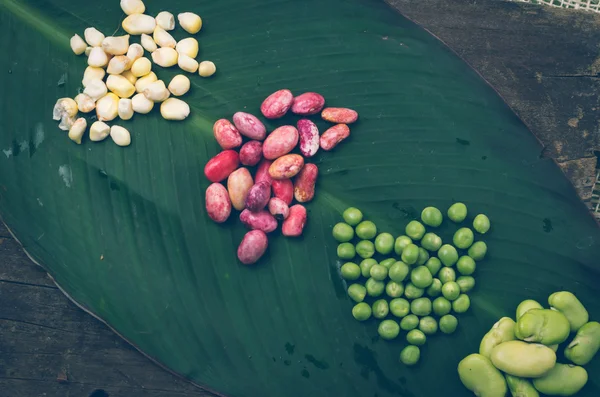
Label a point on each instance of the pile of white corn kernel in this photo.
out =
(129, 73)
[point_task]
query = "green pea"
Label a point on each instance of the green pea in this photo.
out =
(463, 238)
(379, 272)
(365, 249)
(350, 271)
(416, 337)
(441, 306)
(410, 254)
(431, 242)
(384, 243)
(431, 216)
(457, 212)
(409, 322)
(398, 271)
(421, 277)
(388, 329)
(481, 223)
(462, 303)
(388, 263)
(435, 289)
(352, 216)
(434, 265)
(466, 265)
(568, 304)
(466, 283)
(399, 307)
(401, 243)
(447, 274)
(366, 265)
(478, 250)
(448, 324)
(448, 255)
(374, 287)
(410, 355)
(361, 311)
(343, 232)
(366, 230)
(421, 306)
(450, 290)
(585, 345)
(346, 251)
(357, 292)
(428, 325)
(413, 292)
(394, 289)
(526, 306)
(415, 230)
(380, 308)
(423, 256)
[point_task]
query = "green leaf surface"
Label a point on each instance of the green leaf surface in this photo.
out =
(124, 231)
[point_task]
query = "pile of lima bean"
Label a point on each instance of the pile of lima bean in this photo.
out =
(417, 289)
(522, 354)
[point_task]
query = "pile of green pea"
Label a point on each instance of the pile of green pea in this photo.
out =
(414, 287)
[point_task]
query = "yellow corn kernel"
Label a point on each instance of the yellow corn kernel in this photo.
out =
(97, 58)
(119, 64)
(116, 45)
(139, 23)
(96, 89)
(188, 64)
(120, 86)
(179, 85)
(141, 104)
(125, 109)
(77, 130)
(107, 107)
(174, 109)
(120, 135)
(129, 76)
(165, 57)
(157, 91)
(163, 38)
(188, 46)
(85, 103)
(206, 68)
(190, 22)
(144, 82)
(141, 67)
(135, 52)
(148, 43)
(165, 20)
(99, 131)
(93, 37)
(130, 7)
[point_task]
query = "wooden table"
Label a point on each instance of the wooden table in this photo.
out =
(545, 63)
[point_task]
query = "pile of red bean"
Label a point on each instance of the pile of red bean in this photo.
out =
(266, 198)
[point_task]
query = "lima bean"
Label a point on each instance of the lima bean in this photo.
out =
(562, 380)
(521, 387)
(568, 304)
(544, 326)
(527, 360)
(585, 344)
(477, 374)
(502, 331)
(527, 305)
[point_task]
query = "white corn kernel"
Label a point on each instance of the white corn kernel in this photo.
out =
(165, 20)
(157, 92)
(78, 45)
(129, 76)
(206, 68)
(190, 22)
(120, 135)
(97, 58)
(119, 64)
(141, 67)
(133, 6)
(165, 57)
(120, 86)
(87, 51)
(144, 82)
(188, 64)
(93, 37)
(174, 109)
(135, 52)
(163, 38)
(107, 107)
(148, 43)
(179, 85)
(138, 24)
(99, 131)
(64, 106)
(187, 46)
(92, 73)
(96, 89)
(85, 103)
(66, 122)
(125, 109)
(116, 45)
(141, 104)
(77, 130)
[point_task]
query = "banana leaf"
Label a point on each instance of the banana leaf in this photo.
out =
(124, 232)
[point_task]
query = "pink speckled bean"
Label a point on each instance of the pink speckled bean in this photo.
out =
(239, 184)
(277, 104)
(227, 136)
(279, 208)
(217, 203)
(339, 115)
(308, 103)
(252, 247)
(261, 220)
(304, 184)
(258, 196)
(309, 137)
(283, 189)
(251, 153)
(293, 226)
(250, 126)
(280, 142)
(219, 167)
(286, 167)
(262, 172)
(333, 136)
